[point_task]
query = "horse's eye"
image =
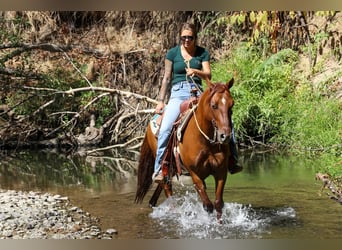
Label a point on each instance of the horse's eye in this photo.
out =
(214, 106)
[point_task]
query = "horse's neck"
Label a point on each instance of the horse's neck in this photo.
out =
(201, 114)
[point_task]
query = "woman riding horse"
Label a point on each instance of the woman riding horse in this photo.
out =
(185, 65)
(205, 149)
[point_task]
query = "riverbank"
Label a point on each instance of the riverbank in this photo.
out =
(34, 215)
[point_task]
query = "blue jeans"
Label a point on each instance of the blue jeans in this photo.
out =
(179, 92)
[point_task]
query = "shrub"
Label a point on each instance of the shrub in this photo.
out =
(270, 108)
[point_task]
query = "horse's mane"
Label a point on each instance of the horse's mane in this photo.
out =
(213, 88)
(218, 87)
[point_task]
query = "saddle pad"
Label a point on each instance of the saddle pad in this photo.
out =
(154, 125)
(184, 121)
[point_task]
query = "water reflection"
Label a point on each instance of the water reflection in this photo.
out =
(29, 170)
(276, 196)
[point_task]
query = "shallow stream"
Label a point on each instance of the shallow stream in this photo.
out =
(275, 197)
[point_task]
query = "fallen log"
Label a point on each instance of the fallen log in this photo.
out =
(335, 192)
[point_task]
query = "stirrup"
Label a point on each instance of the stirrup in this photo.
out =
(157, 176)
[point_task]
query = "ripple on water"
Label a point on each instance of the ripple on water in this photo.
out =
(185, 216)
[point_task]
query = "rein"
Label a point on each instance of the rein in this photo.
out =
(187, 62)
(201, 131)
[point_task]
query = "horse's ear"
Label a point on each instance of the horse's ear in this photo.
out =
(230, 83)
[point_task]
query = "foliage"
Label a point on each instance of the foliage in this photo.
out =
(261, 87)
(272, 107)
(11, 29)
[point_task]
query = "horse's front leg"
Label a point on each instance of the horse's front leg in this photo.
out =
(155, 196)
(167, 186)
(200, 187)
(163, 185)
(219, 183)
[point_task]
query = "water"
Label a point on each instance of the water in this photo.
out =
(187, 218)
(275, 197)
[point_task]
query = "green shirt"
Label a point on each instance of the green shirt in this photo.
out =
(179, 65)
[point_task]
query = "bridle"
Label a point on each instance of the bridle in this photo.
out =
(212, 141)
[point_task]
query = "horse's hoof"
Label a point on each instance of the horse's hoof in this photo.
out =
(219, 218)
(208, 208)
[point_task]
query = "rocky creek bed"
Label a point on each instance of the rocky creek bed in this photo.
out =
(34, 215)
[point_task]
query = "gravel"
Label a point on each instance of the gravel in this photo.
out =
(34, 215)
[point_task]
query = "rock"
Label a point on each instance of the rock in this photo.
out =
(111, 231)
(33, 215)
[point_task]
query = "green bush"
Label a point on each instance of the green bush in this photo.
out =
(260, 91)
(270, 108)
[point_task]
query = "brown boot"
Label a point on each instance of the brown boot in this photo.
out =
(157, 177)
(234, 166)
(235, 169)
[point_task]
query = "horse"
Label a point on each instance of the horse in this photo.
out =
(204, 149)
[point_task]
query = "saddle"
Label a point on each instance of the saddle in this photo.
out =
(171, 156)
(186, 109)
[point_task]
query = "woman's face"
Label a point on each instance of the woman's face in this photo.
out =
(187, 38)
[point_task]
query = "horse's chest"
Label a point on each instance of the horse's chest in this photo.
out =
(215, 160)
(211, 160)
(204, 160)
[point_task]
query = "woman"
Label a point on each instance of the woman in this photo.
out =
(185, 65)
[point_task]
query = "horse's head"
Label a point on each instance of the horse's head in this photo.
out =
(219, 109)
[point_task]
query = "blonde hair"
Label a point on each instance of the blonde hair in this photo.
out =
(189, 26)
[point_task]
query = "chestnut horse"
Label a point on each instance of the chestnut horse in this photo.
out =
(204, 149)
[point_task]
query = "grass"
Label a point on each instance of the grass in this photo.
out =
(274, 106)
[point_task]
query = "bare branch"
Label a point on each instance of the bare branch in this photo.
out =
(121, 92)
(123, 145)
(78, 113)
(22, 47)
(43, 106)
(100, 89)
(77, 69)
(129, 115)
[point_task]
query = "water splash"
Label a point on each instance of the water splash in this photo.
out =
(185, 216)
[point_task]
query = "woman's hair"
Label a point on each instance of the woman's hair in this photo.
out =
(189, 26)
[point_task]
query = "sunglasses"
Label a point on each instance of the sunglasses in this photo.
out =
(184, 38)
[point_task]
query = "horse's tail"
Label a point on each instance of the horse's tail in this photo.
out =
(145, 169)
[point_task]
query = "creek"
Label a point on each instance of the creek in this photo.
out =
(276, 196)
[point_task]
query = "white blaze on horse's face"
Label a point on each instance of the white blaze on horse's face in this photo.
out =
(224, 101)
(224, 133)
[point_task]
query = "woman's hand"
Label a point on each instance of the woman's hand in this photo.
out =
(160, 107)
(205, 73)
(191, 72)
